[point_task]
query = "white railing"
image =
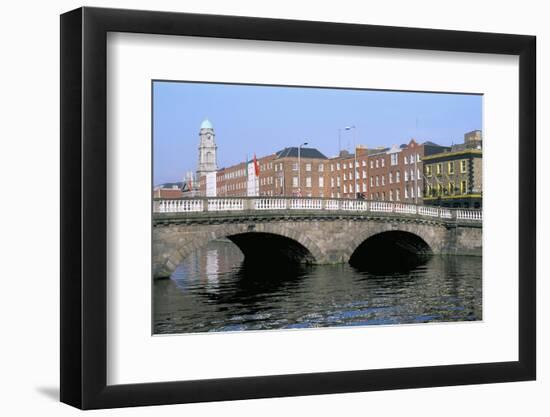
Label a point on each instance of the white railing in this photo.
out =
(354, 205)
(180, 206)
(190, 205)
(445, 213)
(428, 211)
(225, 204)
(332, 205)
(306, 204)
(381, 207)
(469, 215)
(404, 208)
(270, 204)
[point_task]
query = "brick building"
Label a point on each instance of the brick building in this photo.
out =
(397, 173)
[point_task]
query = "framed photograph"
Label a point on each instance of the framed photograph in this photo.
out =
(257, 208)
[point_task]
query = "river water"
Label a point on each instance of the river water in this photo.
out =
(214, 291)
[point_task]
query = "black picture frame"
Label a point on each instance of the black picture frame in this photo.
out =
(84, 207)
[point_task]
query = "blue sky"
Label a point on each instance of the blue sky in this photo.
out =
(252, 119)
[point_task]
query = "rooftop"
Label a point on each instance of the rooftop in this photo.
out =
(292, 152)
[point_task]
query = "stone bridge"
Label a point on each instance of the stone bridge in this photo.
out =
(309, 230)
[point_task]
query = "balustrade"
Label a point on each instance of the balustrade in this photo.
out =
(469, 215)
(190, 205)
(269, 203)
(225, 204)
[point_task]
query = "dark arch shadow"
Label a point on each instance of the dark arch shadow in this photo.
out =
(267, 249)
(392, 251)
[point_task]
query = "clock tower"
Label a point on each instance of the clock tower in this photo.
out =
(207, 149)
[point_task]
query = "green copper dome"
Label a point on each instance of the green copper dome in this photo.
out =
(206, 124)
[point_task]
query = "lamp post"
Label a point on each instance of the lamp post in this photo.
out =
(354, 157)
(300, 169)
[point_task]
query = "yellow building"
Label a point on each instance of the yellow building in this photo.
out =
(455, 178)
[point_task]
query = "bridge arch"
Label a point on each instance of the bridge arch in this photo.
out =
(391, 250)
(263, 242)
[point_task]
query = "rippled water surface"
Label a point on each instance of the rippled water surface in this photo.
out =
(212, 291)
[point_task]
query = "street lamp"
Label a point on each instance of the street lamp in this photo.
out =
(354, 157)
(300, 169)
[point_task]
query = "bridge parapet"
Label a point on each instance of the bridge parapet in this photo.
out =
(259, 204)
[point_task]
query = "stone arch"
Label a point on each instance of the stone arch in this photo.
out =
(174, 243)
(434, 235)
(392, 249)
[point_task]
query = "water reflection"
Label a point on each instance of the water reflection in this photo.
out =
(213, 290)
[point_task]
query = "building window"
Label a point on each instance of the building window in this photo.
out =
(450, 189)
(345, 188)
(308, 167)
(418, 192)
(377, 163)
(391, 195)
(371, 181)
(345, 176)
(338, 166)
(393, 159)
(406, 178)
(363, 163)
(463, 166)
(338, 181)
(295, 181)
(428, 170)
(364, 174)
(332, 181)
(391, 178)
(377, 181)
(383, 180)
(356, 164)
(321, 182)
(463, 186)
(321, 167)
(412, 174)
(371, 164)
(406, 192)
(417, 157)
(397, 197)
(405, 161)
(382, 162)
(364, 187)
(308, 182)
(295, 166)
(397, 175)
(438, 169)
(383, 195)
(451, 167)
(418, 173)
